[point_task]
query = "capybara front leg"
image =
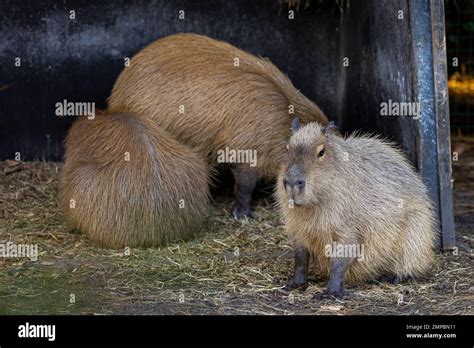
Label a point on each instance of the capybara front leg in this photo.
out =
(300, 277)
(245, 181)
(339, 266)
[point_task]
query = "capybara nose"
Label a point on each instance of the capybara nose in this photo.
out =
(291, 182)
(300, 183)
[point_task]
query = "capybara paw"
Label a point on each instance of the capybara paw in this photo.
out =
(240, 211)
(293, 284)
(332, 294)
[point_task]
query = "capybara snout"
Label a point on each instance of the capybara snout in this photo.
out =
(294, 177)
(294, 182)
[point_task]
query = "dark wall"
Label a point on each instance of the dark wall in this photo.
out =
(79, 59)
(379, 47)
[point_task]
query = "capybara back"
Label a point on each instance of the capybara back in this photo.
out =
(212, 96)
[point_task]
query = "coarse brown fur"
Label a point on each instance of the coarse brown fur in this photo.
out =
(360, 190)
(192, 86)
(126, 182)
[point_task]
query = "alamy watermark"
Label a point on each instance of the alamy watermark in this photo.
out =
(12, 250)
(28, 330)
(228, 155)
(394, 108)
(345, 250)
(67, 108)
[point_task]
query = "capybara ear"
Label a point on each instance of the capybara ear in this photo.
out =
(330, 128)
(295, 124)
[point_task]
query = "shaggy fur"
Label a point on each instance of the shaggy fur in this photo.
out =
(361, 190)
(240, 107)
(160, 195)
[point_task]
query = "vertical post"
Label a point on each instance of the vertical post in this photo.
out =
(442, 124)
(430, 86)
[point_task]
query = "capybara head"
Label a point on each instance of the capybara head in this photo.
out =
(309, 164)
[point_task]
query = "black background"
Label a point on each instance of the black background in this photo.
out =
(260, 330)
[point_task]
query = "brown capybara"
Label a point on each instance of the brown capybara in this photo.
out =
(126, 182)
(211, 97)
(356, 206)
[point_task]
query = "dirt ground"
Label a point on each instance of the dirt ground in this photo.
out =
(232, 268)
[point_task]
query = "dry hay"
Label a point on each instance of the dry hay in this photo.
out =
(234, 268)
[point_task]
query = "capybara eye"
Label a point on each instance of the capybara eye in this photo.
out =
(321, 152)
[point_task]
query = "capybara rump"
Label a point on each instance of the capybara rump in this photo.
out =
(125, 182)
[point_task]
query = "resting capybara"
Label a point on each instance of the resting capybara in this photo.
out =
(212, 96)
(126, 182)
(342, 195)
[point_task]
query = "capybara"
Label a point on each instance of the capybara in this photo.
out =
(126, 182)
(339, 196)
(211, 96)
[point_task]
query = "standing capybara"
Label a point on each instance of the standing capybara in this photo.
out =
(212, 96)
(343, 195)
(126, 182)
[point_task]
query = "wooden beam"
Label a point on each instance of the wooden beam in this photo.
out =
(442, 124)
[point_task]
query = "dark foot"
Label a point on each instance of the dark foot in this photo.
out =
(332, 294)
(240, 211)
(295, 284)
(245, 181)
(335, 288)
(300, 275)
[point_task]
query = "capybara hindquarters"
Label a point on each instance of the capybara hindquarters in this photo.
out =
(126, 182)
